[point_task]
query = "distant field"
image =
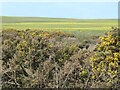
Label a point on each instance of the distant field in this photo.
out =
(79, 27)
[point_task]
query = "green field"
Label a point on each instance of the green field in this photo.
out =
(79, 27)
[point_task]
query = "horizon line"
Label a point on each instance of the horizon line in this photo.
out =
(56, 17)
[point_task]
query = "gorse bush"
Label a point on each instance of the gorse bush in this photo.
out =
(39, 59)
(106, 59)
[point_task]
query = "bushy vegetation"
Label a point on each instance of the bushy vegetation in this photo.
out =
(106, 61)
(40, 59)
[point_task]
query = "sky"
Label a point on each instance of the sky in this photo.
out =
(59, 0)
(84, 10)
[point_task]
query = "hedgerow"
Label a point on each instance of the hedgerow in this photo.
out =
(40, 59)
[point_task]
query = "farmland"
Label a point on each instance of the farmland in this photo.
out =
(81, 28)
